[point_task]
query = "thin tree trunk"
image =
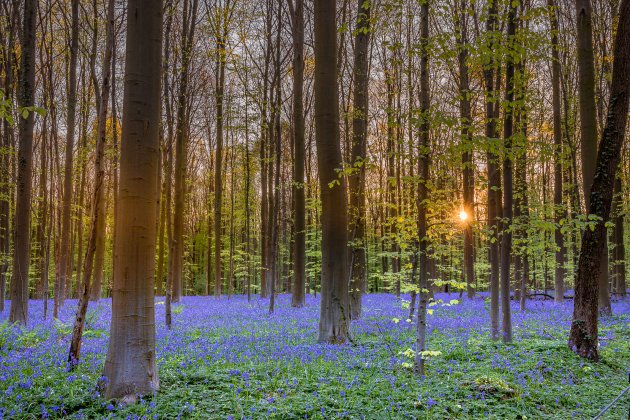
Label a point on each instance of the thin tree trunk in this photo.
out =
(65, 255)
(177, 243)
(299, 149)
(557, 141)
(424, 163)
(468, 170)
(168, 150)
(99, 194)
(618, 235)
(508, 196)
(221, 61)
(494, 177)
(162, 228)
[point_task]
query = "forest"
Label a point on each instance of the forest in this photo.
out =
(368, 209)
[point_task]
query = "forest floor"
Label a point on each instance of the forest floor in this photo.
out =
(229, 359)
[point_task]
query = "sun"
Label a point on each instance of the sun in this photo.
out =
(463, 216)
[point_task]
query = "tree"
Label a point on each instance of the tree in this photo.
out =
(583, 338)
(221, 27)
(620, 249)
(494, 176)
(557, 142)
(176, 254)
(508, 194)
(97, 229)
(588, 123)
(275, 129)
(26, 99)
(99, 213)
(334, 319)
(299, 150)
(66, 228)
(130, 366)
(6, 143)
(424, 162)
(358, 267)
(468, 170)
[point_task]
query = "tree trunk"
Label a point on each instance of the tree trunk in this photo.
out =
(584, 329)
(508, 196)
(168, 157)
(588, 124)
(618, 235)
(557, 142)
(358, 267)
(6, 143)
(65, 255)
(218, 181)
(468, 169)
(521, 205)
(299, 149)
(176, 255)
(159, 287)
(334, 320)
(277, 134)
(424, 162)
(221, 60)
(22, 225)
(494, 176)
(99, 195)
(130, 366)
(99, 253)
(42, 211)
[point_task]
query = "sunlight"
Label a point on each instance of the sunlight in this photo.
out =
(463, 216)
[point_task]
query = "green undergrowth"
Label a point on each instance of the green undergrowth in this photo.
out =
(535, 378)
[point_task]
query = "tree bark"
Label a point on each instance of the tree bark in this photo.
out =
(559, 211)
(618, 235)
(468, 169)
(176, 255)
(98, 197)
(130, 366)
(424, 162)
(334, 320)
(299, 149)
(588, 123)
(65, 255)
(583, 336)
(508, 195)
(26, 98)
(99, 253)
(6, 142)
(494, 176)
(358, 279)
(221, 60)
(275, 215)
